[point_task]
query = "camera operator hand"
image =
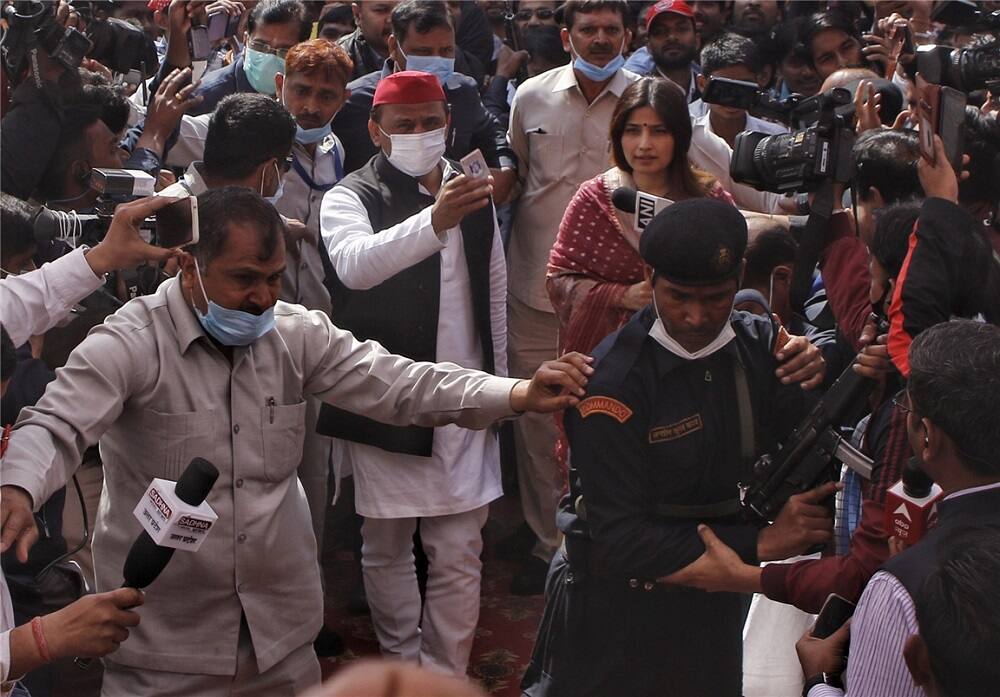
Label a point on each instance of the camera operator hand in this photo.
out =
(801, 362)
(166, 107)
(939, 180)
(867, 104)
(122, 247)
(459, 197)
(803, 523)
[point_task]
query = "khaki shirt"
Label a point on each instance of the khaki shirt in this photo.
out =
(156, 391)
(561, 141)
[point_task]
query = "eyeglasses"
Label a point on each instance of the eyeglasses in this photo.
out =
(264, 47)
(542, 13)
(902, 402)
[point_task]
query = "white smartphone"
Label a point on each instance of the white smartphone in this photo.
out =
(177, 224)
(474, 165)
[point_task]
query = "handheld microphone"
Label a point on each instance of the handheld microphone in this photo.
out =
(644, 206)
(911, 504)
(147, 559)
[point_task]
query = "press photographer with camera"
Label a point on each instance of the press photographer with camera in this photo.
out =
(33, 302)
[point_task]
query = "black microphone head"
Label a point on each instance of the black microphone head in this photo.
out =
(144, 562)
(916, 482)
(623, 198)
(196, 482)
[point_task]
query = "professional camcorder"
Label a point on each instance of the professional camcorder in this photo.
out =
(965, 69)
(32, 25)
(803, 160)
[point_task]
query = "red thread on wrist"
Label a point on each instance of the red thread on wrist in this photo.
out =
(39, 633)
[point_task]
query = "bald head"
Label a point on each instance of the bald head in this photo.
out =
(848, 78)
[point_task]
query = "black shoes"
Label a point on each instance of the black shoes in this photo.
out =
(328, 644)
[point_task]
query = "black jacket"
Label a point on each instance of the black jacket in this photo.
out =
(471, 125)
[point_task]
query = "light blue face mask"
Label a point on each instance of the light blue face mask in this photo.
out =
(441, 68)
(307, 136)
(232, 327)
(261, 68)
(273, 199)
(595, 72)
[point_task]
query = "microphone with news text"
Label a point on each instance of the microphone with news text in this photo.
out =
(911, 504)
(174, 515)
(644, 206)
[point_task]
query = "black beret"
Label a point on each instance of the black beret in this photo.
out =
(697, 242)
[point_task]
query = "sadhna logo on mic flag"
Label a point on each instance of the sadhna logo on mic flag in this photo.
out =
(160, 504)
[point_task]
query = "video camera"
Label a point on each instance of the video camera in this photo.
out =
(964, 69)
(811, 456)
(117, 44)
(32, 25)
(799, 161)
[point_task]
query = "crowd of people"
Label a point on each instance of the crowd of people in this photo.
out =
(439, 253)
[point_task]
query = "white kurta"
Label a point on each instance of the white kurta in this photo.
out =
(463, 471)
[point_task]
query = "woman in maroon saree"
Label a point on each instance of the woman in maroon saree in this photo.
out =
(596, 278)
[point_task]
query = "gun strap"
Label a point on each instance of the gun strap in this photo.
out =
(748, 447)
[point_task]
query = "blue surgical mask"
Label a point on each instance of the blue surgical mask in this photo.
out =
(441, 68)
(307, 136)
(273, 199)
(594, 72)
(261, 68)
(232, 327)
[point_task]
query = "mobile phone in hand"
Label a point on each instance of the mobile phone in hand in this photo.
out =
(177, 224)
(835, 612)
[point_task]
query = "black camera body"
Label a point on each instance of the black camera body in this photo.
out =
(800, 161)
(964, 69)
(32, 25)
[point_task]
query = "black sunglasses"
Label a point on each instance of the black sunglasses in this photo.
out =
(541, 13)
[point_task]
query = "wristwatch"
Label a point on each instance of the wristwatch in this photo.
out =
(831, 679)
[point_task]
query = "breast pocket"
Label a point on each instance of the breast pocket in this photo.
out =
(284, 430)
(547, 162)
(173, 440)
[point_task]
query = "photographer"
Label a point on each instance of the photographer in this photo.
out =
(33, 302)
(737, 58)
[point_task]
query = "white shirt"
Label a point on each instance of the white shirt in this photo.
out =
(463, 471)
(561, 141)
(34, 302)
(712, 153)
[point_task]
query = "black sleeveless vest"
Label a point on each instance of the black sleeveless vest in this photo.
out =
(401, 313)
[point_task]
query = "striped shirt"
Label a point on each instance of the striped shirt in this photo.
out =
(884, 620)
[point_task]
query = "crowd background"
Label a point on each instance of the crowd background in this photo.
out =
(350, 123)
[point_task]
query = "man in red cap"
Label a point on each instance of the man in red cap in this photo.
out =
(417, 264)
(673, 44)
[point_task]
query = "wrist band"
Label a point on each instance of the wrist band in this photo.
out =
(43, 647)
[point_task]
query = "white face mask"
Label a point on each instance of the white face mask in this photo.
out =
(659, 334)
(416, 154)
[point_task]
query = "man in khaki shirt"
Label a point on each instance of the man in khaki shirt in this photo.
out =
(212, 365)
(559, 125)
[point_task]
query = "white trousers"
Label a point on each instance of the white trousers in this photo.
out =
(439, 637)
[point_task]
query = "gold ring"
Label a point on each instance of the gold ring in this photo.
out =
(178, 97)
